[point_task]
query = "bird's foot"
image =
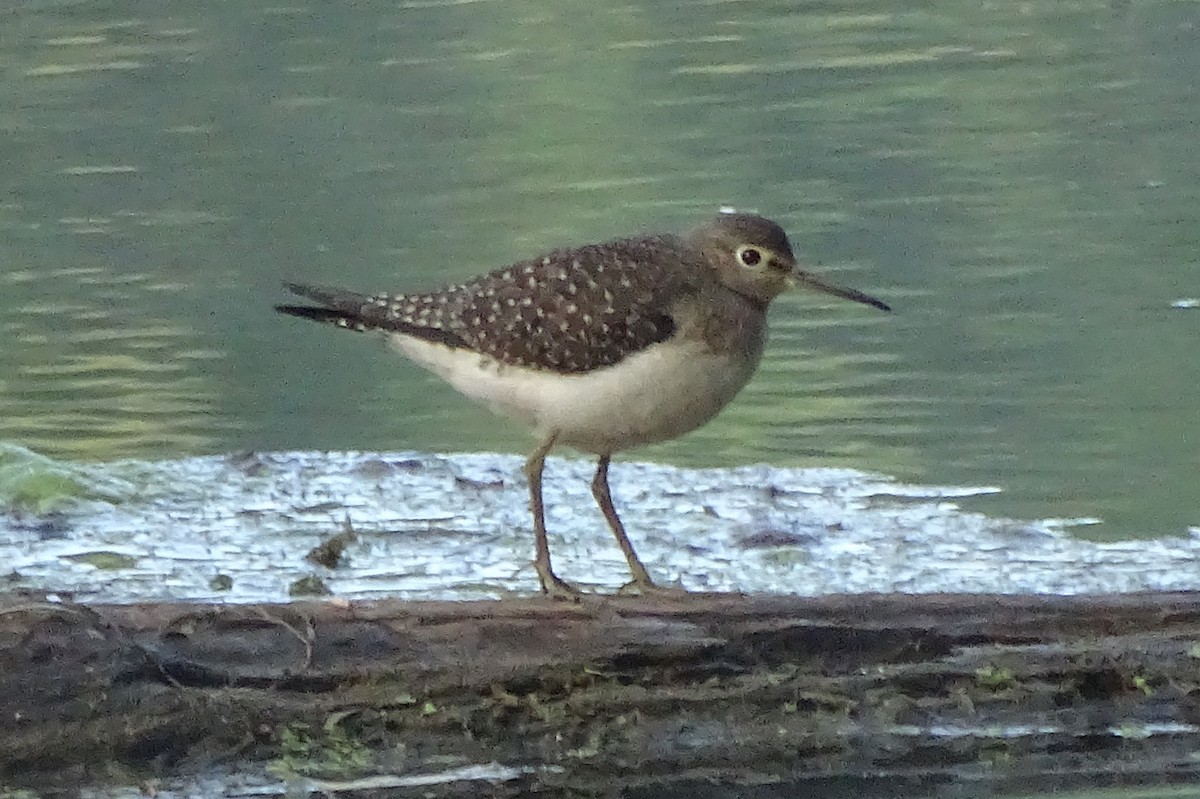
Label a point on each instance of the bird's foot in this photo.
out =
(555, 587)
(647, 587)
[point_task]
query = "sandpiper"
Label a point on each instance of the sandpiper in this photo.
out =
(602, 348)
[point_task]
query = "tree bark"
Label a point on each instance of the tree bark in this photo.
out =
(610, 695)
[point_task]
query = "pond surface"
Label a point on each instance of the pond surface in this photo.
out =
(1021, 182)
(245, 529)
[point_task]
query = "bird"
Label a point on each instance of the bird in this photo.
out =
(601, 348)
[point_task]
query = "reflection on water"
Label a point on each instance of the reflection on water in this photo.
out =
(1020, 184)
(97, 375)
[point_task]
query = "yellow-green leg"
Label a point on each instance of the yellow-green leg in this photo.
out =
(551, 583)
(641, 577)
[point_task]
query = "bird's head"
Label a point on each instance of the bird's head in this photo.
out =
(752, 256)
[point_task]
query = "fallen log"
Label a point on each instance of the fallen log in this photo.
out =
(612, 693)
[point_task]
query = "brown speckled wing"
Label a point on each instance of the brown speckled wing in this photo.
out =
(577, 310)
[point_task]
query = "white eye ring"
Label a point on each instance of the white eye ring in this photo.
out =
(750, 256)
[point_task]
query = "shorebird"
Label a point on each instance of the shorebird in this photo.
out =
(602, 348)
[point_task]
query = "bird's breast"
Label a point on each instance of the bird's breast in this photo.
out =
(654, 395)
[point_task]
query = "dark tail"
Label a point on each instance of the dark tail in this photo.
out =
(337, 307)
(359, 312)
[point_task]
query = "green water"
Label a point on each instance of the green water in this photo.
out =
(1020, 180)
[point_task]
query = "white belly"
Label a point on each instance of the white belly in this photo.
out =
(654, 395)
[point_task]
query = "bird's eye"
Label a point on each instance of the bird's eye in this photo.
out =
(750, 256)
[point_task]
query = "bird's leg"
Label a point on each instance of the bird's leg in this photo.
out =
(641, 578)
(551, 584)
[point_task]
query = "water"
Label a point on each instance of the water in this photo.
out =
(1019, 182)
(236, 529)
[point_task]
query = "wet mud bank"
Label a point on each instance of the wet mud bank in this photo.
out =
(611, 696)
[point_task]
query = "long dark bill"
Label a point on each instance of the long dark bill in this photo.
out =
(806, 279)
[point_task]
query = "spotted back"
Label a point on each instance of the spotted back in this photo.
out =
(573, 310)
(580, 309)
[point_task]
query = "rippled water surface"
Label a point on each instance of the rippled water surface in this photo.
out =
(1019, 180)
